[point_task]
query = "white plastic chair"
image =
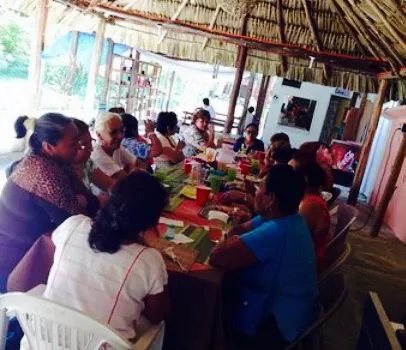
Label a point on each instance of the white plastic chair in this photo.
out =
(48, 325)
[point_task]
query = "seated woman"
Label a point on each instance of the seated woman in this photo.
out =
(108, 154)
(249, 142)
(172, 152)
(84, 166)
(280, 152)
(316, 151)
(271, 296)
(41, 192)
(132, 138)
(314, 210)
(102, 267)
(200, 134)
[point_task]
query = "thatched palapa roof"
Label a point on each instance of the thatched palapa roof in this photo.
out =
(351, 40)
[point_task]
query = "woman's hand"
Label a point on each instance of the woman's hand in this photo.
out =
(180, 146)
(149, 126)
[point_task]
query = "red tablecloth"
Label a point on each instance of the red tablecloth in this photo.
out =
(195, 321)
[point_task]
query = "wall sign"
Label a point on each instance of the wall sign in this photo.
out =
(342, 92)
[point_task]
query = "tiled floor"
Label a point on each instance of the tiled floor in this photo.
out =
(375, 264)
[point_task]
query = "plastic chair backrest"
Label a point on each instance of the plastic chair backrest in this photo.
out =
(48, 325)
(346, 216)
(335, 257)
(333, 291)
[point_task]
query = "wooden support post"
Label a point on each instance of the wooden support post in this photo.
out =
(242, 59)
(262, 96)
(373, 124)
(389, 188)
(107, 71)
(72, 61)
(171, 81)
(249, 92)
(37, 47)
(242, 54)
(95, 65)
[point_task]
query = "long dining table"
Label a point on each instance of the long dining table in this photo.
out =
(195, 321)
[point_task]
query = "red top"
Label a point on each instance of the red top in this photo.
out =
(320, 236)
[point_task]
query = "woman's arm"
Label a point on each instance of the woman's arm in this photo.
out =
(156, 146)
(157, 306)
(101, 180)
(174, 155)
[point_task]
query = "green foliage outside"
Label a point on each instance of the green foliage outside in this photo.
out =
(14, 50)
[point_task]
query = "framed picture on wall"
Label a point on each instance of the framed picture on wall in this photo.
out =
(297, 112)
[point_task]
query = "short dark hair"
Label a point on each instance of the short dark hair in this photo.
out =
(281, 152)
(281, 136)
(130, 124)
(201, 113)
(314, 174)
(48, 128)
(252, 125)
(117, 110)
(166, 121)
(206, 101)
(83, 128)
(287, 185)
(251, 109)
(135, 205)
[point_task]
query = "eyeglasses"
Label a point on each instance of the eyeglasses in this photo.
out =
(86, 145)
(116, 132)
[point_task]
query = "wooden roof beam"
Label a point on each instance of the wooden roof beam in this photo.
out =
(211, 26)
(401, 40)
(348, 62)
(391, 75)
(282, 36)
(315, 34)
(348, 26)
(174, 17)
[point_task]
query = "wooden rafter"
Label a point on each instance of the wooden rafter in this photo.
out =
(282, 36)
(211, 26)
(348, 62)
(348, 26)
(401, 40)
(373, 44)
(174, 17)
(390, 52)
(315, 34)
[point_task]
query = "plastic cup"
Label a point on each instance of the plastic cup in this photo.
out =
(232, 174)
(215, 234)
(215, 184)
(245, 169)
(187, 166)
(259, 156)
(202, 195)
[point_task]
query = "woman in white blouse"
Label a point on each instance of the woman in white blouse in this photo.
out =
(102, 268)
(167, 126)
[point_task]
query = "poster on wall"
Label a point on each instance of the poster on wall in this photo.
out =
(346, 155)
(297, 112)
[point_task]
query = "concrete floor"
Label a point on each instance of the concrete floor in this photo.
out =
(375, 264)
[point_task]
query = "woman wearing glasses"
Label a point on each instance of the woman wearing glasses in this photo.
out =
(85, 167)
(109, 155)
(249, 142)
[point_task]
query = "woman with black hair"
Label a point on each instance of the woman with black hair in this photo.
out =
(42, 191)
(102, 267)
(133, 140)
(249, 141)
(167, 126)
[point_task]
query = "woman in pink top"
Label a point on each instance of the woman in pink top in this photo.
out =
(314, 210)
(102, 268)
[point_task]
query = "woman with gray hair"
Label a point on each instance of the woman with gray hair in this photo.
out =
(108, 154)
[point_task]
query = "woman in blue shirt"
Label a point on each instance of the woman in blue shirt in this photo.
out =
(249, 141)
(275, 264)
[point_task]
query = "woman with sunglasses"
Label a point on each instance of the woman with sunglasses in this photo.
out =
(249, 141)
(108, 154)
